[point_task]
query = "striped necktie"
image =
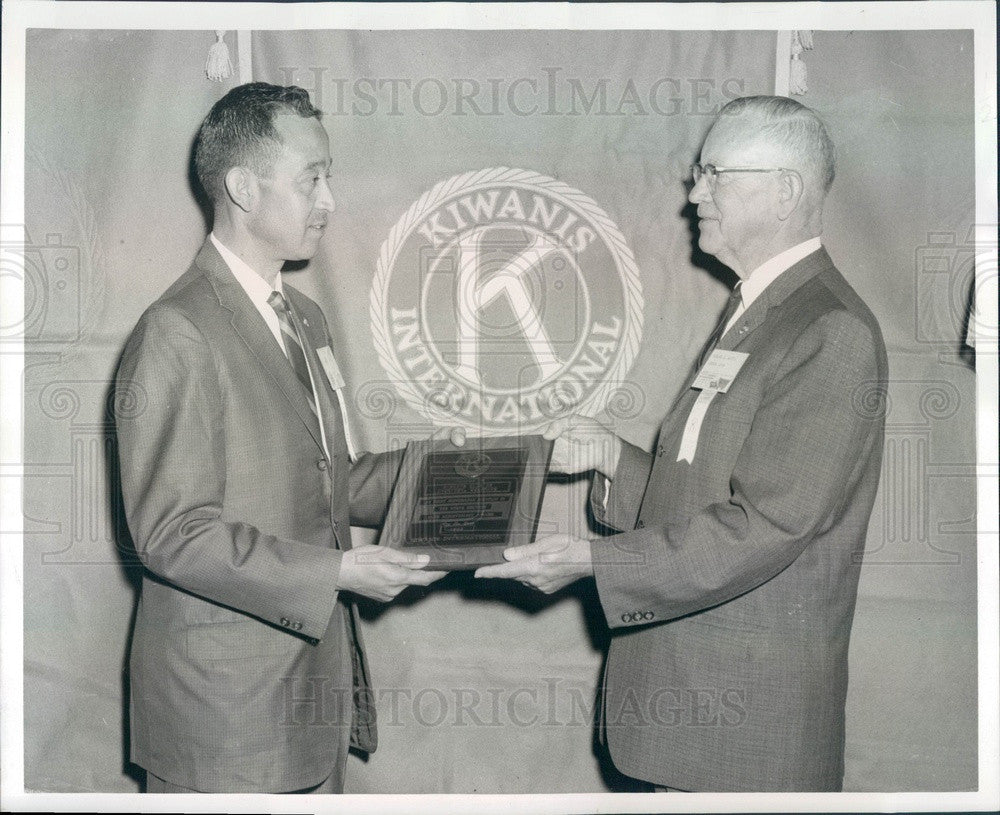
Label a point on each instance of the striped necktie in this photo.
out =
(293, 344)
(735, 298)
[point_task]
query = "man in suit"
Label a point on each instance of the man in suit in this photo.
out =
(240, 485)
(731, 587)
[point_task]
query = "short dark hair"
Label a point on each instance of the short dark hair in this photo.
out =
(239, 131)
(793, 125)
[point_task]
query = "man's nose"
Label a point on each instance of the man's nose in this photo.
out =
(700, 193)
(325, 199)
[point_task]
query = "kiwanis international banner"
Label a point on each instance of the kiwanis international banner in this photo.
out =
(511, 241)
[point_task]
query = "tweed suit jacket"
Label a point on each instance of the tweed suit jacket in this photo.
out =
(731, 589)
(243, 656)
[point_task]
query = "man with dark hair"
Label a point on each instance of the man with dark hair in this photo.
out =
(731, 586)
(240, 129)
(240, 485)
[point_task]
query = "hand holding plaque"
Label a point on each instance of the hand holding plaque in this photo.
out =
(464, 505)
(581, 444)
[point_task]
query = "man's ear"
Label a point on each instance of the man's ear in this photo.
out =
(790, 189)
(241, 187)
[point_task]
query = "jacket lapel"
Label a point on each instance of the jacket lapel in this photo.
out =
(251, 328)
(329, 406)
(774, 295)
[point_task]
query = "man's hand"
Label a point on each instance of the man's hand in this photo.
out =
(547, 565)
(456, 435)
(380, 572)
(583, 444)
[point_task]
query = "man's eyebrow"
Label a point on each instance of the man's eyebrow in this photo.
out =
(319, 164)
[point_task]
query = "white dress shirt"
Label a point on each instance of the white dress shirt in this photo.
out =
(769, 271)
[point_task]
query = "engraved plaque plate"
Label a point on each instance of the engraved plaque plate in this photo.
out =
(464, 505)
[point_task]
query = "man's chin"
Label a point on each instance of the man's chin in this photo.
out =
(306, 252)
(707, 242)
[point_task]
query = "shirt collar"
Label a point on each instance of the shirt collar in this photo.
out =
(256, 287)
(769, 271)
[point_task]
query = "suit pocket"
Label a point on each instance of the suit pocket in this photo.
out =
(238, 640)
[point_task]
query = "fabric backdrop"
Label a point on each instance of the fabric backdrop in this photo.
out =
(487, 688)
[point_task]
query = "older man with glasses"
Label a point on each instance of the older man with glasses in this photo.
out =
(731, 584)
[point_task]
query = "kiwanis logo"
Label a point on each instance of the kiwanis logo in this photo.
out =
(473, 465)
(503, 299)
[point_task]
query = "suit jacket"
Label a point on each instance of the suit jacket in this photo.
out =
(243, 656)
(732, 593)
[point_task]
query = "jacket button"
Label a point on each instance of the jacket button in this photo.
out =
(285, 622)
(296, 626)
(321, 464)
(626, 617)
(659, 450)
(640, 524)
(648, 615)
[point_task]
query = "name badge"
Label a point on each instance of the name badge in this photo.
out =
(719, 371)
(332, 371)
(330, 367)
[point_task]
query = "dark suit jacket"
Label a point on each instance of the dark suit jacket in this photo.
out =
(732, 594)
(243, 659)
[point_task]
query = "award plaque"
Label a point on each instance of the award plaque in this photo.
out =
(464, 505)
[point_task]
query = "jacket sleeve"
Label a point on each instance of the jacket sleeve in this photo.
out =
(615, 502)
(795, 472)
(373, 477)
(172, 453)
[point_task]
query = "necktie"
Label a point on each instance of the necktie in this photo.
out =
(293, 344)
(735, 298)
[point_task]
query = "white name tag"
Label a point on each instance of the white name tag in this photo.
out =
(719, 371)
(332, 371)
(689, 441)
(330, 367)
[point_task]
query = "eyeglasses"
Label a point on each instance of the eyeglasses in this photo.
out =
(711, 173)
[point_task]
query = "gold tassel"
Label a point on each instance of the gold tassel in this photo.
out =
(797, 74)
(218, 66)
